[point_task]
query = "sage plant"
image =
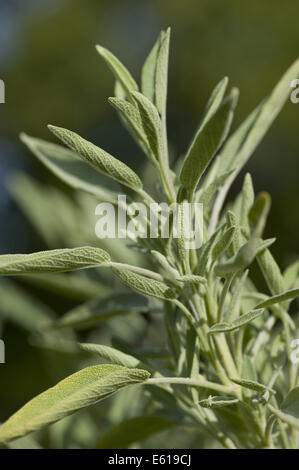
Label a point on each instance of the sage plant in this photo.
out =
(228, 373)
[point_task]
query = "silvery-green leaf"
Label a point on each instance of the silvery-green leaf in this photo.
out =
(245, 140)
(99, 310)
(53, 261)
(252, 385)
(110, 354)
(151, 123)
(132, 117)
(118, 69)
(67, 166)
(271, 272)
(217, 402)
(290, 294)
(149, 70)
(82, 389)
(258, 213)
(223, 243)
(144, 285)
(238, 239)
(214, 102)
(161, 81)
(247, 200)
(134, 430)
(241, 321)
(207, 142)
(234, 305)
(241, 260)
(98, 158)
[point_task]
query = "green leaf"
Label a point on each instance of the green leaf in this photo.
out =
(290, 294)
(214, 102)
(118, 69)
(53, 261)
(241, 321)
(241, 260)
(206, 143)
(271, 272)
(161, 81)
(98, 158)
(149, 71)
(217, 402)
(144, 285)
(134, 430)
(252, 385)
(247, 200)
(258, 213)
(151, 123)
(98, 310)
(133, 120)
(67, 166)
(223, 243)
(82, 389)
(110, 354)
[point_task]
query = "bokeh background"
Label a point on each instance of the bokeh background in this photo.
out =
(54, 75)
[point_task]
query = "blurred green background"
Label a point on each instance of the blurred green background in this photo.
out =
(54, 75)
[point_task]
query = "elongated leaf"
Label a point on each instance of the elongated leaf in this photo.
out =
(118, 69)
(217, 402)
(67, 166)
(258, 213)
(149, 70)
(252, 385)
(82, 389)
(161, 81)
(53, 261)
(223, 243)
(133, 119)
(134, 430)
(290, 294)
(151, 123)
(242, 259)
(241, 321)
(214, 102)
(110, 354)
(144, 285)
(247, 200)
(206, 143)
(98, 158)
(271, 272)
(101, 309)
